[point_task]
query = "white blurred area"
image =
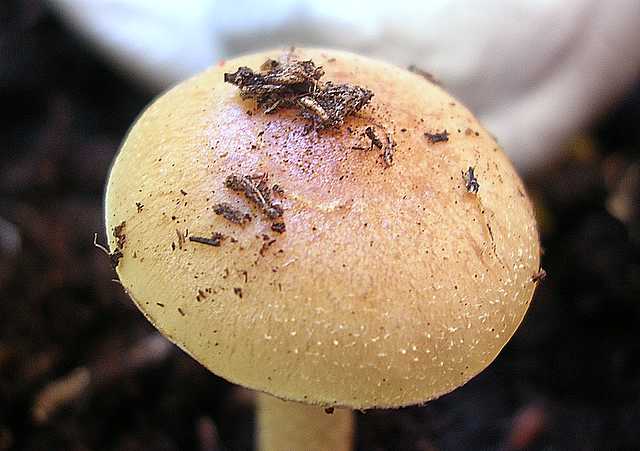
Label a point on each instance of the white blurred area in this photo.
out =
(534, 71)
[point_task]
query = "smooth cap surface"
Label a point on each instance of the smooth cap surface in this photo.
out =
(389, 287)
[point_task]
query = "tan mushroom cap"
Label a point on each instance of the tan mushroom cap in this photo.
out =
(390, 287)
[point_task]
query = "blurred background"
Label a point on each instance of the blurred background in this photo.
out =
(557, 82)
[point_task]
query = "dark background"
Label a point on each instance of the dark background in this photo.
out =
(80, 368)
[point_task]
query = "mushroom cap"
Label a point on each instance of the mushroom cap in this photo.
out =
(390, 286)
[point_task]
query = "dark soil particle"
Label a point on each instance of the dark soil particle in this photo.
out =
(119, 235)
(279, 227)
(265, 246)
(470, 180)
(435, 138)
(231, 213)
(571, 370)
(539, 276)
(388, 146)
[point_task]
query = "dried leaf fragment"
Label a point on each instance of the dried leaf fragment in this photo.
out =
(215, 240)
(256, 190)
(388, 147)
(296, 84)
(375, 141)
(389, 151)
(336, 102)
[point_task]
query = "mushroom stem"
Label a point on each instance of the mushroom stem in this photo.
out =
(295, 426)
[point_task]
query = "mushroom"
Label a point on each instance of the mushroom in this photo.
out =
(391, 285)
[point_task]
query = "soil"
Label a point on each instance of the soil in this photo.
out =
(569, 379)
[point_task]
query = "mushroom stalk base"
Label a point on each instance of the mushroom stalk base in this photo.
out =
(288, 425)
